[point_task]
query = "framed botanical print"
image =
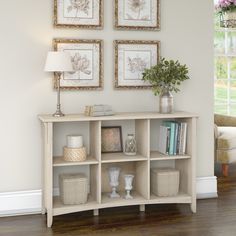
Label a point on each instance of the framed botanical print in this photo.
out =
(87, 61)
(78, 13)
(137, 14)
(131, 58)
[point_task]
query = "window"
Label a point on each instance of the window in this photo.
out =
(225, 69)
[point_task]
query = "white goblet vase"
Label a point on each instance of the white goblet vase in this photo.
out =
(114, 173)
(128, 185)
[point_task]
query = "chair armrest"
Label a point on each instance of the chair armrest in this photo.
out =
(223, 120)
(216, 133)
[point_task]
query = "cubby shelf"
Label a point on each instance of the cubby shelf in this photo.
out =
(59, 208)
(145, 126)
(114, 202)
(180, 198)
(121, 157)
(157, 156)
(59, 161)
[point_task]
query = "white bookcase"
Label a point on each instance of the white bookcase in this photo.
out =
(145, 126)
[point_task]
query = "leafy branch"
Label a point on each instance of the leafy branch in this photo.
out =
(166, 75)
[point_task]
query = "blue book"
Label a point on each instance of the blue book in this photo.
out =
(172, 125)
(176, 138)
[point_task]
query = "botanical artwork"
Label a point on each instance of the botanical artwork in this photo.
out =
(136, 66)
(77, 8)
(131, 59)
(137, 10)
(78, 13)
(111, 139)
(137, 14)
(86, 59)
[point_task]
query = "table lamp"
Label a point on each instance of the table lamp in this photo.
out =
(58, 62)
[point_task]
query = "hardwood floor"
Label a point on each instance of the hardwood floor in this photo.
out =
(215, 217)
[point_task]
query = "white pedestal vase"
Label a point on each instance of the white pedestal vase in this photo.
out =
(114, 173)
(128, 185)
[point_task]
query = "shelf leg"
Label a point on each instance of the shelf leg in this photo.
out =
(194, 207)
(142, 208)
(43, 210)
(49, 219)
(96, 212)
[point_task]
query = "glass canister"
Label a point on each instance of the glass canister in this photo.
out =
(130, 145)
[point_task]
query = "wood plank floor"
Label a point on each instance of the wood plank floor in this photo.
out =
(215, 217)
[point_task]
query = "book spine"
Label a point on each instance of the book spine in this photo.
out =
(162, 140)
(175, 139)
(178, 138)
(168, 141)
(184, 138)
(172, 138)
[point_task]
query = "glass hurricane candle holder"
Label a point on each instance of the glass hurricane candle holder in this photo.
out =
(130, 145)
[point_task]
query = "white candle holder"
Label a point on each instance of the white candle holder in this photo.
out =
(114, 173)
(128, 185)
(74, 141)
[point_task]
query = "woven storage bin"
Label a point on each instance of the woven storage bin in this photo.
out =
(165, 182)
(74, 154)
(73, 188)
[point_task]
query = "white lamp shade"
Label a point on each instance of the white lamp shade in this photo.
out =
(58, 62)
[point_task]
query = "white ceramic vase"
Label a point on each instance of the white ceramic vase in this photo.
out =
(128, 185)
(114, 173)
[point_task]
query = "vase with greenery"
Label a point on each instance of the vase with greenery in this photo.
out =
(164, 78)
(227, 8)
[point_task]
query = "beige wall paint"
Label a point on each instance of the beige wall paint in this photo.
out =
(25, 90)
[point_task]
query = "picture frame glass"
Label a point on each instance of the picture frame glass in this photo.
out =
(137, 14)
(132, 58)
(112, 139)
(86, 60)
(78, 13)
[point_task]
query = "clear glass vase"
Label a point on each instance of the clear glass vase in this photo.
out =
(130, 145)
(166, 102)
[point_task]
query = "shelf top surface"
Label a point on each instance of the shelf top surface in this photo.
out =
(118, 116)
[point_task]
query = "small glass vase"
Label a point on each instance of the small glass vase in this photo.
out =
(166, 102)
(130, 145)
(114, 173)
(128, 186)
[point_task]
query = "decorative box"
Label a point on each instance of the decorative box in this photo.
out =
(75, 154)
(73, 188)
(165, 182)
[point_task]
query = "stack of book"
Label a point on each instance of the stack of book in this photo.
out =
(98, 110)
(172, 139)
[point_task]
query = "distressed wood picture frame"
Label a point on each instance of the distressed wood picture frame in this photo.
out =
(87, 61)
(131, 58)
(86, 14)
(111, 139)
(137, 14)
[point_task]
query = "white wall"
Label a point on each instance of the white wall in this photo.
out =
(25, 90)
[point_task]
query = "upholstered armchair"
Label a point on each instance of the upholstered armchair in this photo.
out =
(225, 141)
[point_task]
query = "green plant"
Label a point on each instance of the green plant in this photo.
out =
(166, 75)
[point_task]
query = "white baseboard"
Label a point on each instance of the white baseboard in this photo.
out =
(20, 203)
(29, 202)
(206, 187)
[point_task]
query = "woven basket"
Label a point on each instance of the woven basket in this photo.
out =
(74, 154)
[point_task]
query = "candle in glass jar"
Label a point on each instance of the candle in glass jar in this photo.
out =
(74, 141)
